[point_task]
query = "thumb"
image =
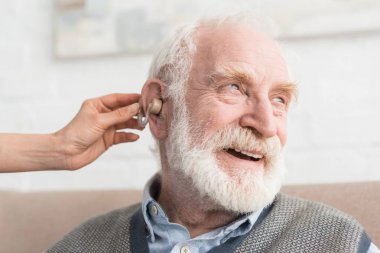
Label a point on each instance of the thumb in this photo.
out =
(119, 116)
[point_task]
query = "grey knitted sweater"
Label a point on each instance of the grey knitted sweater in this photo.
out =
(287, 225)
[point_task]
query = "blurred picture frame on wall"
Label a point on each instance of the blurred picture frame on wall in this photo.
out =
(87, 28)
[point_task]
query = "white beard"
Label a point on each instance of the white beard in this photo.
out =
(242, 192)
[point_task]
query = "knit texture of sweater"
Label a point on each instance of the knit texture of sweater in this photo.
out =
(288, 225)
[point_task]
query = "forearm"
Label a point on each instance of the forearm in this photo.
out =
(30, 152)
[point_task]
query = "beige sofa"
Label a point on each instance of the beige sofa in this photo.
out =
(30, 222)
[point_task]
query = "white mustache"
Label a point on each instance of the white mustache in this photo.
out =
(243, 139)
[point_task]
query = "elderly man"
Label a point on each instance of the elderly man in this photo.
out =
(220, 132)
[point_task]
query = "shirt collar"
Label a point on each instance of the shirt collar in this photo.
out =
(152, 188)
(238, 227)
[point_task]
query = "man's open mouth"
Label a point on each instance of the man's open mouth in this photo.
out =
(244, 154)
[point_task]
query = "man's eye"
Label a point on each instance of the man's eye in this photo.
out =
(232, 89)
(234, 86)
(279, 100)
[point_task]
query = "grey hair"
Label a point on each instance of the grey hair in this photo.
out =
(172, 62)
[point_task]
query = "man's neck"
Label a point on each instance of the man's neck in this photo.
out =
(185, 206)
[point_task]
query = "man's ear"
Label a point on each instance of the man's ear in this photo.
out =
(154, 89)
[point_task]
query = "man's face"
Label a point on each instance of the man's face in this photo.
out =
(238, 79)
(228, 138)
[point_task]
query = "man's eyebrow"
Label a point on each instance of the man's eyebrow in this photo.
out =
(228, 72)
(289, 88)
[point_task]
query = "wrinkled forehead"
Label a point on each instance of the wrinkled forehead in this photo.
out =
(237, 45)
(222, 38)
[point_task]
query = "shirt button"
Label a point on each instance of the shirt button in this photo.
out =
(154, 210)
(185, 249)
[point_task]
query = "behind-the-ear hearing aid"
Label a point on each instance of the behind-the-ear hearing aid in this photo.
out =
(154, 107)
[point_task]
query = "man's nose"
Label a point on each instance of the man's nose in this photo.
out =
(260, 117)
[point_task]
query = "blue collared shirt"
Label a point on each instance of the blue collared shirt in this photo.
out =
(165, 236)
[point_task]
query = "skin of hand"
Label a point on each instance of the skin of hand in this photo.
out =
(97, 127)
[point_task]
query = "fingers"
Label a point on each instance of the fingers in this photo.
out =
(121, 137)
(119, 116)
(117, 100)
(131, 124)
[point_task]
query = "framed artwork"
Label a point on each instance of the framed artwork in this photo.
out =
(85, 28)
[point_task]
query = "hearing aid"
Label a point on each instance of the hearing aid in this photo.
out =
(154, 107)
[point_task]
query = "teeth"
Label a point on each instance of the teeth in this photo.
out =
(256, 156)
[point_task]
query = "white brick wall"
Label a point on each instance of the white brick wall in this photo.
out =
(333, 129)
(334, 126)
